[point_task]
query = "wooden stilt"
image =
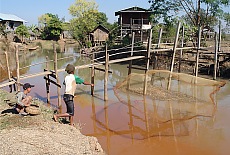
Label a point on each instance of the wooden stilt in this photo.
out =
(158, 46)
(17, 68)
(56, 73)
(198, 51)
(47, 81)
(174, 53)
(106, 74)
(7, 64)
(181, 51)
(148, 60)
(8, 70)
(175, 46)
(219, 49)
(92, 74)
(130, 62)
(215, 57)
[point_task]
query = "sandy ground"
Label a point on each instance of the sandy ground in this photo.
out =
(39, 135)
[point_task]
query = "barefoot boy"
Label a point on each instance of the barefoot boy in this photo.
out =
(70, 83)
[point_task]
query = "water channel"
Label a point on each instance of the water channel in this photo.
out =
(128, 123)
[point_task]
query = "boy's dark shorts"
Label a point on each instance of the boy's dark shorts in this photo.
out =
(69, 103)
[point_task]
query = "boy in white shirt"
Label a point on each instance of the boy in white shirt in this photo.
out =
(70, 83)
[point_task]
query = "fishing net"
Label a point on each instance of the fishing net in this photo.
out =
(171, 101)
(161, 85)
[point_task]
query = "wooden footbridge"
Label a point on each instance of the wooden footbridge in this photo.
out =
(152, 52)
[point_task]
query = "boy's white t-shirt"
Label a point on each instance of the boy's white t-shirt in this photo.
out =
(71, 82)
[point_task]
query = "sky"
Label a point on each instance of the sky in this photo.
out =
(30, 10)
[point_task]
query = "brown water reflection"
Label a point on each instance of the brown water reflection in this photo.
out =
(128, 129)
(132, 124)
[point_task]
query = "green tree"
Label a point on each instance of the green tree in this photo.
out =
(22, 31)
(164, 9)
(52, 27)
(85, 19)
(192, 8)
(44, 19)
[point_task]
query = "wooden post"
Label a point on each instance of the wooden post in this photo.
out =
(130, 62)
(219, 49)
(219, 38)
(198, 51)
(106, 74)
(8, 70)
(92, 73)
(181, 51)
(7, 64)
(142, 29)
(158, 46)
(148, 60)
(47, 81)
(175, 46)
(17, 68)
(174, 53)
(121, 27)
(56, 73)
(215, 57)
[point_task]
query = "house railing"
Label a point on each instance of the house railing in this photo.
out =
(136, 23)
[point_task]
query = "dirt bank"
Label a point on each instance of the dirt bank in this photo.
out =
(36, 135)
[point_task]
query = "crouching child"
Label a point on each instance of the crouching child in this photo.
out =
(23, 100)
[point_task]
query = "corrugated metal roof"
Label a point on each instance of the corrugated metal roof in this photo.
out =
(133, 9)
(11, 17)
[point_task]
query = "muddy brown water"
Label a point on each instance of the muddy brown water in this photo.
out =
(133, 124)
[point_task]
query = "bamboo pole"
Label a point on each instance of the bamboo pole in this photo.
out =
(148, 60)
(219, 49)
(47, 81)
(198, 51)
(219, 38)
(215, 57)
(92, 74)
(174, 53)
(130, 62)
(131, 54)
(7, 64)
(17, 68)
(106, 74)
(56, 73)
(175, 45)
(8, 70)
(158, 46)
(181, 51)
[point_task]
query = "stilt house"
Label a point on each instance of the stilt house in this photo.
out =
(99, 35)
(134, 19)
